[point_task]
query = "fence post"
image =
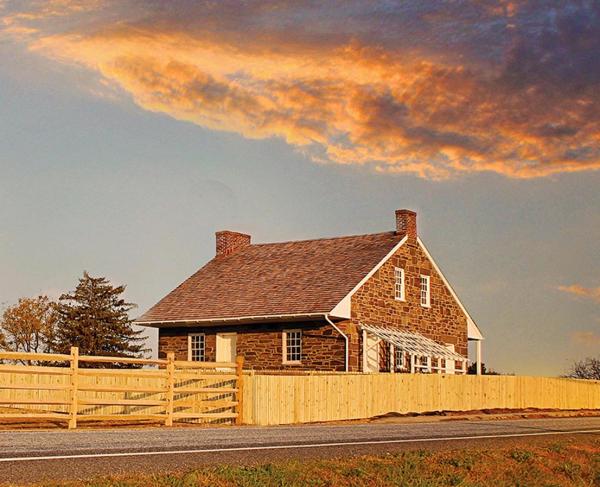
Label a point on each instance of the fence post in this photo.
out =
(74, 387)
(170, 388)
(239, 370)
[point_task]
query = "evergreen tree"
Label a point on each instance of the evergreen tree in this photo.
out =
(95, 318)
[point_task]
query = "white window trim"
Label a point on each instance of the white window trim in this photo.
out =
(399, 359)
(190, 335)
(428, 304)
(284, 345)
(403, 286)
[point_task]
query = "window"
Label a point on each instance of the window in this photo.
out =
(399, 284)
(400, 360)
(292, 346)
(196, 347)
(425, 292)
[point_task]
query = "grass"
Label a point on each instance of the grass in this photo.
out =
(567, 463)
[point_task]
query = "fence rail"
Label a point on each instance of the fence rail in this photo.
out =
(170, 391)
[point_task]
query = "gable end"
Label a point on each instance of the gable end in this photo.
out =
(342, 309)
(473, 331)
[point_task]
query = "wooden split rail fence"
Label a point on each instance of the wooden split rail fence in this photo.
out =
(165, 390)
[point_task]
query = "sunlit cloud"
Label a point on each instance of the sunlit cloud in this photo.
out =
(407, 87)
(584, 337)
(592, 293)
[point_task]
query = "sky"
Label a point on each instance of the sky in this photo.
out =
(131, 131)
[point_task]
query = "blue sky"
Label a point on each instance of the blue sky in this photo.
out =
(125, 165)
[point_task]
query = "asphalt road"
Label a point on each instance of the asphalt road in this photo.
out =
(55, 455)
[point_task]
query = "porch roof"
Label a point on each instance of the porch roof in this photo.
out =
(413, 343)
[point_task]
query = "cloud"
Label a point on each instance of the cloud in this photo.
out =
(587, 338)
(401, 87)
(582, 292)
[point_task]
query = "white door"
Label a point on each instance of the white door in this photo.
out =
(226, 347)
(370, 353)
(450, 364)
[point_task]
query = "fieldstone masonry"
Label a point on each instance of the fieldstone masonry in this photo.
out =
(375, 304)
(261, 345)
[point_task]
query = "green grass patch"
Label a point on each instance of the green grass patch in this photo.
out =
(521, 456)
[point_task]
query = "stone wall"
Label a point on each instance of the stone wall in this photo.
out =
(375, 304)
(261, 345)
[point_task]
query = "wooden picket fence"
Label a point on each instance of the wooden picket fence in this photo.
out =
(165, 390)
(275, 398)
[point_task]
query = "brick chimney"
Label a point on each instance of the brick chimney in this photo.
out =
(230, 242)
(406, 223)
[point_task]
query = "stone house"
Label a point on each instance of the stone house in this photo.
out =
(366, 303)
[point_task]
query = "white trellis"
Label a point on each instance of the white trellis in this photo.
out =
(411, 351)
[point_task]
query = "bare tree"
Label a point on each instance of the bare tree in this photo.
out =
(472, 370)
(28, 326)
(588, 368)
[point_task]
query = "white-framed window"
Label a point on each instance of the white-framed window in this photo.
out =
(399, 288)
(196, 347)
(292, 346)
(425, 291)
(399, 359)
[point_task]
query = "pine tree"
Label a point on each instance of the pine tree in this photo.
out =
(95, 318)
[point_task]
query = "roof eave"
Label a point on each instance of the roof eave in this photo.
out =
(237, 320)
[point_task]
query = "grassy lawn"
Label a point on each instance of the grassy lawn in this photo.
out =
(561, 463)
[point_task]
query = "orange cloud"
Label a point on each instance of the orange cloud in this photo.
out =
(588, 338)
(396, 105)
(583, 292)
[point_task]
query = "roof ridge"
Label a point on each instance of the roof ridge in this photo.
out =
(391, 232)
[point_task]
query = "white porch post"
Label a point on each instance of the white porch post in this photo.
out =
(478, 357)
(364, 350)
(392, 359)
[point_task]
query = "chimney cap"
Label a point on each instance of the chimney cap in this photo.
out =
(405, 211)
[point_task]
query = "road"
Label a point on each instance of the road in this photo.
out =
(34, 456)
